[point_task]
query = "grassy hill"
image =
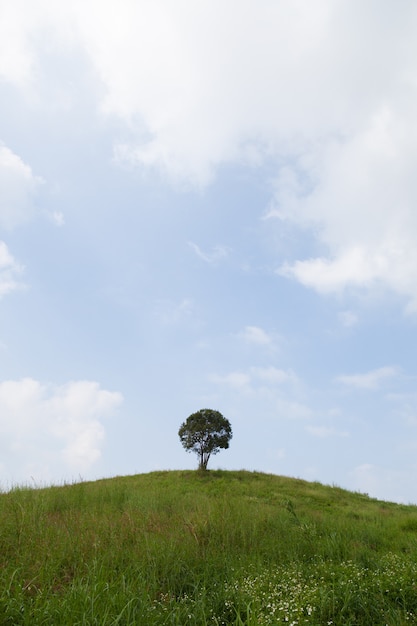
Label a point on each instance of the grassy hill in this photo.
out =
(212, 548)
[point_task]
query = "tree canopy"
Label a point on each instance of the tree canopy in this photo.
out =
(205, 432)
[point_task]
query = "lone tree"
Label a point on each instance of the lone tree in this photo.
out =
(204, 433)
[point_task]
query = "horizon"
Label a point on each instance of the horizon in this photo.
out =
(32, 486)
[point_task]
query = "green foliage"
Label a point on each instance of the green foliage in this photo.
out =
(199, 548)
(205, 433)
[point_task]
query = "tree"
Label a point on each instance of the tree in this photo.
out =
(205, 433)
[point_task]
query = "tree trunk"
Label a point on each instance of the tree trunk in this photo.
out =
(204, 459)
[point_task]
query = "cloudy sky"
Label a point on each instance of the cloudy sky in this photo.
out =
(209, 204)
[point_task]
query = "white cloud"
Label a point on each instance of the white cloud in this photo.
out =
(201, 106)
(254, 378)
(353, 268)
(52, 432)
(58, 218)
(256, 335)
(325, 90)
(362, 208)
(345, 126)
(18, 186)
(369, 380)
(217, 254)
(26, 31)
(272, 375)
(9, 271)
(16, 63)
(236, 380)
(193, 106)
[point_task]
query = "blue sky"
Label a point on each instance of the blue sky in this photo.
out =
(209, 204)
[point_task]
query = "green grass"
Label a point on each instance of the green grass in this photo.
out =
(212, 548)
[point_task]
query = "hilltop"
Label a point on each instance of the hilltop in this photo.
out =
(218, 547)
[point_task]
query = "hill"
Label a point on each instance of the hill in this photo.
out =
(205, 548)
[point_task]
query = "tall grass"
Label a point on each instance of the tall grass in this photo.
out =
(205, 548)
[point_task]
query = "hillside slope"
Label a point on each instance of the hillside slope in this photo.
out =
(215, 547)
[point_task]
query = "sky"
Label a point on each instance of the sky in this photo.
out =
(209, 204)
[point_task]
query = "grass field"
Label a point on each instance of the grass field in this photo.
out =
(205, 548)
